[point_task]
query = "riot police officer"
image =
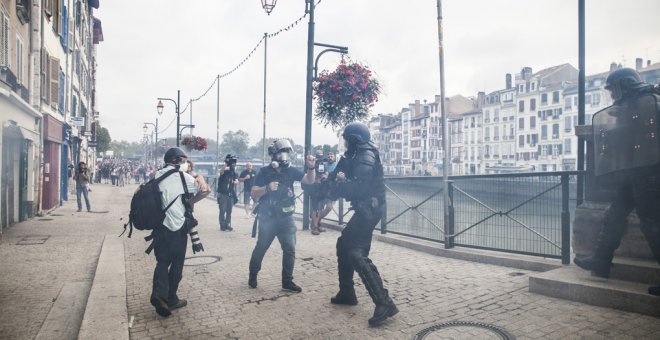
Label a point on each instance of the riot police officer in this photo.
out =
(635, 106)
(358, 178)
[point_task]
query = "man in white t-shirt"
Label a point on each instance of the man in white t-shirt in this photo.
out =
(171, 238)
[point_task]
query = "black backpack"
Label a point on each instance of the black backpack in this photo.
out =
(146, 206)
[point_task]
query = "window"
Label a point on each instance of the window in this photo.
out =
(568, 103)
(487, 116)
(19, 59)
(487, 134)
(568, 123)
(555, 131)
(533, 86)
(555, 97)
(595, 99)
(521, 123)
(544, 99)
(4, 40)
(521, 106)
(567, 146)
(496, 115)
(532, 104)
(532, 122)
(496, 133)
(544, 132)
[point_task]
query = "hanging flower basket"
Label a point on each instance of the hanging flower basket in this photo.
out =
(194, 143)
(345, 95)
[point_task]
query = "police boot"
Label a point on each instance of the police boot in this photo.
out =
(385, 307)
(345, 296)
(597, 265)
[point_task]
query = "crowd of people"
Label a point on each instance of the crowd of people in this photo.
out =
(120, 172)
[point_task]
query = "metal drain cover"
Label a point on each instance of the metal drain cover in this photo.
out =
(455, 330)
(201, 260)
(32, 240)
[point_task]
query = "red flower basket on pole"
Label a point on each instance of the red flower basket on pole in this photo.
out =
(345, 95)
(194, 143)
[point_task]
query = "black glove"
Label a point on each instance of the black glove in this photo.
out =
(197, 247)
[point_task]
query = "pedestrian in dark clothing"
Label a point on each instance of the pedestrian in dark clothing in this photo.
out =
(247, 177)
(226, 192)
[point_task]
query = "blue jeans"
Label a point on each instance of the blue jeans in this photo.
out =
(285, 230)
(225, 205)
(82, 190)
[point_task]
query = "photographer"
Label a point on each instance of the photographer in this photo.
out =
(226, 191)
(273, 186)
(247, 177)
(82, 185)
(322, 206)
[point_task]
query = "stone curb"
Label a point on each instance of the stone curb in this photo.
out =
(106, 314)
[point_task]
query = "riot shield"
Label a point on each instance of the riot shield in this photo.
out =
(626, 135)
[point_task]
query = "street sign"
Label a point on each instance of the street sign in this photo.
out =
(77, 121)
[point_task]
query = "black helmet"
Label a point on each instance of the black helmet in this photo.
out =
(174, 156)
(622, 83)
(279, 145)
(356, 133)
(279, 152)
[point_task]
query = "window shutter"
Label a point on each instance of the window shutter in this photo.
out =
(4, 58)
(45, 76)
(54, 82)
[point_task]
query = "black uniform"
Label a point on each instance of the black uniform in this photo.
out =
(226, 198)
(365, 189)
(638, 189)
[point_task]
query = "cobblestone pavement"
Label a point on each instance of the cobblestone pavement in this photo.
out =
(427, 289)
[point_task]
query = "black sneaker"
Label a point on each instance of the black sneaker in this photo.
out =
(181, 303)
(252, 281)
(229, 229)
(161, 306)
(292, 287)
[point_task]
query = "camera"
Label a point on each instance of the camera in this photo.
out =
(320, 162)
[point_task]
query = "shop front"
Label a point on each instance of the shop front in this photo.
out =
(51, 163)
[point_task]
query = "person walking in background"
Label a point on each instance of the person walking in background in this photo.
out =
(247, 177)
(226, 192)
(81, 177)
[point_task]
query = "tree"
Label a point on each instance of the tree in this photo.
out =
(102, 138)
(235, 143)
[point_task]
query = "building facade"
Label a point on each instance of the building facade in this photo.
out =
(46, 101)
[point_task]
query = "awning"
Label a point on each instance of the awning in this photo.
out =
(29, 134)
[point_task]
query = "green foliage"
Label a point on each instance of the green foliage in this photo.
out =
(102, 138)
(235, 143)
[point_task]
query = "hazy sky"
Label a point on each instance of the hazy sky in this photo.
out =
(153, 48)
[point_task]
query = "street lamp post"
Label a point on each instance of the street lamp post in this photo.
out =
(156, 141)
(160, 107)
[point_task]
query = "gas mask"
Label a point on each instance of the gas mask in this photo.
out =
(281, 159)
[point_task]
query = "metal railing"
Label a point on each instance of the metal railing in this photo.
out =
(523, 213)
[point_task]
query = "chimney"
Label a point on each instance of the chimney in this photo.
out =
(417, 107)
(613, 66)
(481, 99)
(437, 99)
(508, 81)
(526, 73)
(639, 63)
